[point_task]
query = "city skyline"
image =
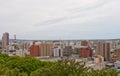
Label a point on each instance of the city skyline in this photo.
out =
(61, 19)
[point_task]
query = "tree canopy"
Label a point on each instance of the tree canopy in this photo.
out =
(28, 66)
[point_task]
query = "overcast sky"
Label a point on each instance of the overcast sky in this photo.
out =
(60, 19)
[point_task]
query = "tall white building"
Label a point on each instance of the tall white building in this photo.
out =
(57, 52)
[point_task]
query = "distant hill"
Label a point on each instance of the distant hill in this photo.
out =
(19, 40)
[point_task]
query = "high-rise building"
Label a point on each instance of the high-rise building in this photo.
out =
(24, 45)
(57, 52)
(34, 50)
(46, 48)
(103, 49)
(57, 49)
(85, 50)
(5, 40)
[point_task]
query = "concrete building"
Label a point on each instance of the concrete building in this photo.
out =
(46, 48)
(85, 50)
(57, 52)
(67, 51)
(22, 53)
(5, 39)
(116, 54)
(34, 50)
(117, 65)
(11, 47)
(24, 45)
(103, 49)
(58, 49)
(98, 59)
(115, 44)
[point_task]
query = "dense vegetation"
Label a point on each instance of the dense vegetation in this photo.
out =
(17, 66)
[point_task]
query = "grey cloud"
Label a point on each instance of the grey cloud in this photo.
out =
(76, 14)
(95, 5)
(65, 20)
(51, 21)
(99, 28)
(57, 20)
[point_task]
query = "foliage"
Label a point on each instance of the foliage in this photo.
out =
(27, 66)
(72, 68)
(4, 71)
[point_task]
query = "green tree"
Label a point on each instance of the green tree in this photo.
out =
(27, 66)
(72, 68)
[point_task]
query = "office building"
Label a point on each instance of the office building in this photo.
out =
(103, 49)
(5, 40)
(57, 52)
(85, 50)
(46, 48)
(34, 50)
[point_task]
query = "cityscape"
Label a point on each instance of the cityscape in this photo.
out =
(59, 38)
(97, 54)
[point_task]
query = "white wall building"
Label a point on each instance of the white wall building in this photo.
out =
(57, 52)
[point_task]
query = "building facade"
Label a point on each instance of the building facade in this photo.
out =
(5, 40)
(85, 50)
(67, 51)
(57, 52)
(34, 50)
(103, 49)
(46, 48)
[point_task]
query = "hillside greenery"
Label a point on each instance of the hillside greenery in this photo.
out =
(28, 66)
